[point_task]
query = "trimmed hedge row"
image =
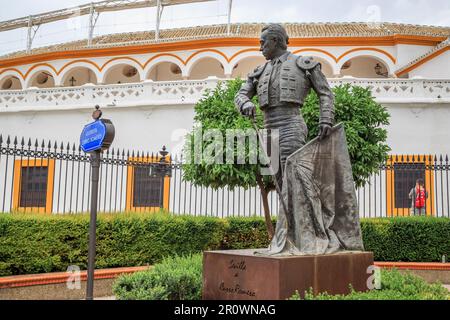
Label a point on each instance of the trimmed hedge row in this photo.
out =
(38, 244)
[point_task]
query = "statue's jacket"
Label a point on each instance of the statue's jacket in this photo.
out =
(296, 78)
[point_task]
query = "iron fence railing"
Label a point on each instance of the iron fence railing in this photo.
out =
(53, 177)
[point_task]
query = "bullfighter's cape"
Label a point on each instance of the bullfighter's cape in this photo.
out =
(319, 192)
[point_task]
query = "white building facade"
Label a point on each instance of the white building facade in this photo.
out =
(148, 87)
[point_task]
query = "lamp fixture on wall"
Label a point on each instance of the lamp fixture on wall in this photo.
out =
(43, 77)
(347, 65)
(378, 69)
(175, 69)
(129, 71)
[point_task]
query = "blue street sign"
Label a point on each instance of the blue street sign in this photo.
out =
(93, 136)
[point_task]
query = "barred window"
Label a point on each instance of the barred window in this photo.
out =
(405, 177)
(146, 189)
(33, 187)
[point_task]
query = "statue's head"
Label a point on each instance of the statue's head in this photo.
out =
(274, 39)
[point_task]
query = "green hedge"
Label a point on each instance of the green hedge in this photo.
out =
(38, 244)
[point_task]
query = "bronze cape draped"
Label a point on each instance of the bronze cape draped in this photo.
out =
(319, 192)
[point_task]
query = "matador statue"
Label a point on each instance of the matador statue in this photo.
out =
(305, 176)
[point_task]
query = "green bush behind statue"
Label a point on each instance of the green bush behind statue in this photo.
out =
(37, 244)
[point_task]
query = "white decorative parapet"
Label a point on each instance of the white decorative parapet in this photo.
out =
(403, 90)
(188, 92)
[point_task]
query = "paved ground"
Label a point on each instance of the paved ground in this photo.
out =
(106, 298)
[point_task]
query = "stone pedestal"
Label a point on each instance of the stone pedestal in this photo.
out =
(242, 275)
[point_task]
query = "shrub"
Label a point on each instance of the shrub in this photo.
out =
(37, 244)
(175, 278)
(408, 239)
(394, 286)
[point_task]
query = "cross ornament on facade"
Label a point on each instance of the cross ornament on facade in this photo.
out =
(72, 81)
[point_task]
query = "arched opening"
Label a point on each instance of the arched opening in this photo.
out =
(364, 67)
(243, 67)
(165, 71)
(10, 83)
(42, 79)
(122, 73)
(79, 76)
(207, 67)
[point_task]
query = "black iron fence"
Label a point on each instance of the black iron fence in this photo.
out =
(54, 177)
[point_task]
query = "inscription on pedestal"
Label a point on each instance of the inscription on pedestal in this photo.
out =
(240, 275)
(236, 268)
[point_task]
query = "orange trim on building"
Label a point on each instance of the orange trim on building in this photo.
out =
(130, 184)
(39, 65)
(77, 61)
(121, 58)
(206, 50)
(367, 49)
(219, 42)
(316, 50)
(423, 61)
(18, 165)
(242, 51)
(161, 55)
(390, 183)
(15, 70)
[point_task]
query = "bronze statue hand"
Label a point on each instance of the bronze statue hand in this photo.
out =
(249, 110)
(324, 131)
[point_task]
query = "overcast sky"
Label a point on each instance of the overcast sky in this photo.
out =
(424, 12)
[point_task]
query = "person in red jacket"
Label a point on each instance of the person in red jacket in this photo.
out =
(418, 196)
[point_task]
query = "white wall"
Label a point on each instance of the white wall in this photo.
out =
(143, 128)
(419, 129)
(437, 68)
(407, 53)
(413, 128)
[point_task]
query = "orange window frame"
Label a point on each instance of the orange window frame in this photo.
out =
(18, 165)
(130, 184)
(390, 180)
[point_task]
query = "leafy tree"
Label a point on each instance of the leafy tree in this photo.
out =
(361, 115)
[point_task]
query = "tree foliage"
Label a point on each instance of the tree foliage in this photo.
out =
(216, 110)
(362, 116)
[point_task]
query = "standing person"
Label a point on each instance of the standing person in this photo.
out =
(418, 196)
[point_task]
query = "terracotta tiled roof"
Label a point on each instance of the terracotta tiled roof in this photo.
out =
(246, 30)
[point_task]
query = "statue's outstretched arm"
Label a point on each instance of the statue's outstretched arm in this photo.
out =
(322, 88)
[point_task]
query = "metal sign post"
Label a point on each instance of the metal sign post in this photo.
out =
(95, 164)
(95, 137)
